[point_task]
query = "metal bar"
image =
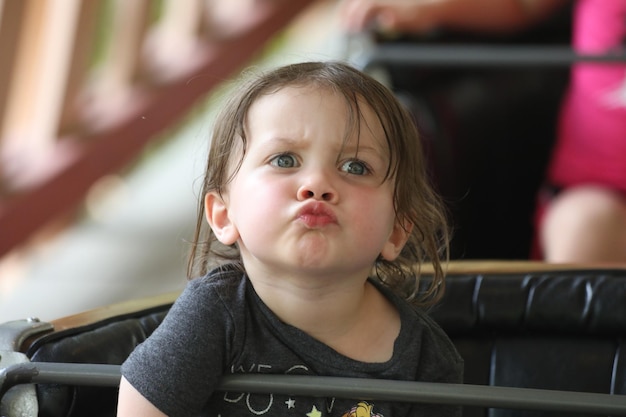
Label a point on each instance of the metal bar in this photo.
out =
(428, 392)
(482, 55)
(58, 373)
(371, 389)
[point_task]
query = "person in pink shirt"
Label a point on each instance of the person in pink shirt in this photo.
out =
(581, 214)
(581, 209)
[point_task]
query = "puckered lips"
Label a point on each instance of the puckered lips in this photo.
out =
(315, 215)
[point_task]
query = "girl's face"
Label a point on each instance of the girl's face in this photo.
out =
(305, 201)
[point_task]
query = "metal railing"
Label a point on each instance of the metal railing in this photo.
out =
(338, 387)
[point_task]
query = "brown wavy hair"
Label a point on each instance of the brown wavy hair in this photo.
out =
(414, 198)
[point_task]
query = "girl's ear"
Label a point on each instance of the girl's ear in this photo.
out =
(216, 211)
(397, 239)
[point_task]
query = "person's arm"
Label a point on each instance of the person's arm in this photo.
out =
(132, 404)
(418, 16)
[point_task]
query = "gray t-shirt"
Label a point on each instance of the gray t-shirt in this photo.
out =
(220, 326)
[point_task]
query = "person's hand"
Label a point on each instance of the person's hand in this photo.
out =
(415, 16)
(420, 16)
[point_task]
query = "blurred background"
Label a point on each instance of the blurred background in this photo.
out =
(105, 114)
(106, 108)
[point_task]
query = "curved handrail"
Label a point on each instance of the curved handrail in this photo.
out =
(339, 387)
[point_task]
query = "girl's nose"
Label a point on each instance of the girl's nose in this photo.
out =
(317, 188)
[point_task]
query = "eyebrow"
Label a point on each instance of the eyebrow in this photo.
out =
(359, 148)
(273, 140)
(272, 143)
(344, 148)
(377, 151)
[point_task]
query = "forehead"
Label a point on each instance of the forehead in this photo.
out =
(295, 110)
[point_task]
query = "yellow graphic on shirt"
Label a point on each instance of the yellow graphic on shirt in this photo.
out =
(314, 412)
(362, 409)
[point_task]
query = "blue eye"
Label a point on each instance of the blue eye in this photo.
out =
(284, 160)
(355, 168)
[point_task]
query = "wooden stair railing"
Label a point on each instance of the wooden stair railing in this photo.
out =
(85, 85)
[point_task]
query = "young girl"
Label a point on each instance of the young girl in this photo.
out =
(317, 198)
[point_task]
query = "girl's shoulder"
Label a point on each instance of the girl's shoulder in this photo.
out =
(420, 328)
(223, 281)
(219, 292)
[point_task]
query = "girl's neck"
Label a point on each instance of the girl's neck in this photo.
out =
(350, 316)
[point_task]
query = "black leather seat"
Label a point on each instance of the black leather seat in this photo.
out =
(516, 324)
(105, 342)
(563, 330)
(102, 336)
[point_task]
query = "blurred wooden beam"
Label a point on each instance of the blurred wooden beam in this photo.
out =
(81, 162)
(11, 14)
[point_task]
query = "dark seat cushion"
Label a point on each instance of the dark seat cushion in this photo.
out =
(560, 330)
(108, 342)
